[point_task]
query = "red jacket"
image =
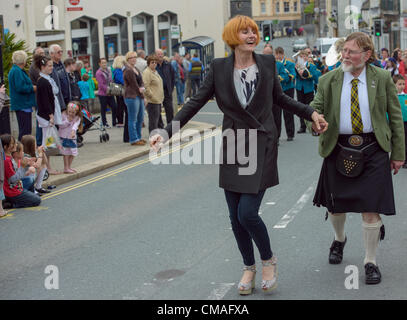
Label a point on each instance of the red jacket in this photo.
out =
(403, 72)
(11, 189)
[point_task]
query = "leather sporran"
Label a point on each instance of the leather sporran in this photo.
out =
(349, 162)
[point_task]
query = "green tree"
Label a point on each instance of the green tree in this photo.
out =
(11, 45)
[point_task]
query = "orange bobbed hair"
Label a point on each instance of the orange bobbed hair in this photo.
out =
(234, 26)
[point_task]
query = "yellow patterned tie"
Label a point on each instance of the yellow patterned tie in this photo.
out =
(357, 124)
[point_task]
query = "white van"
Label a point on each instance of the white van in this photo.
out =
(323, 45)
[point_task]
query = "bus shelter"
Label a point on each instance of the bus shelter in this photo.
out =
(202, 45)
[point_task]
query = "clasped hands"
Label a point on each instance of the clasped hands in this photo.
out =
(319, 124)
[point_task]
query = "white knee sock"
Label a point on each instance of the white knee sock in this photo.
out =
(38, 182)
(338, 223)
(371, 234)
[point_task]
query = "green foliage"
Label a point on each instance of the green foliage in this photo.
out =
(11, 45)
(309, 9)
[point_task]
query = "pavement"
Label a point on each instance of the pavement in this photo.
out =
(95, 156)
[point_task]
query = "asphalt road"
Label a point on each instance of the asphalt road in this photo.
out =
(148, 231)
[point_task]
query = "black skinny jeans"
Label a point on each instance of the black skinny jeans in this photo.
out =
(247, 225)
(111, 102)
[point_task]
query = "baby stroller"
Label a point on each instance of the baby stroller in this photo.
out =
(88, 122)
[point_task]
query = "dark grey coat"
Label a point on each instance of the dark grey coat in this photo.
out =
(258, 115)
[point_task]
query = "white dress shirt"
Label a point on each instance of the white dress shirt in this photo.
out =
(345, 126)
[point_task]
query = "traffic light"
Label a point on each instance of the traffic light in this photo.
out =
(266, 32)
(377, 28)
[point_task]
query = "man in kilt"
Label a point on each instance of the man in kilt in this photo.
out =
(356, 171)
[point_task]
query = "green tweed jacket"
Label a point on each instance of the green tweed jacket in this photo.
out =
(382, 95)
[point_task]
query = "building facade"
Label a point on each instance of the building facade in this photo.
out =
(90, 29)
(280, 13)
(240, 7)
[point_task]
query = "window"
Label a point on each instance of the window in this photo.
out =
(295, 6)
(163, 18)
(286, 7)
(263, 8)
(139, 19)
(79, 24)
(110, 22)
(278, 7)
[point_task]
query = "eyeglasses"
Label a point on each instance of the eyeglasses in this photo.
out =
(351, 52)
(60, 51)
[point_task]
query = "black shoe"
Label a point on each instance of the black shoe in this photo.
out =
(336, 252)
(301, 131)
(79, 145)
(42, 190)
(52, 186)
(7, 204)
(290, 139)
(373, 275)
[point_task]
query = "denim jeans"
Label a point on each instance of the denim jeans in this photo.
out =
(135, 110)
(195, 84)
(28, 182)
(25, 199)
(180, 86)
(247, 225)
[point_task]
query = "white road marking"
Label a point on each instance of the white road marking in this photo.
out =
(290, 215)
(220, 292)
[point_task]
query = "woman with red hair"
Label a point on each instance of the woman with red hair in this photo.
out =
(246, 85)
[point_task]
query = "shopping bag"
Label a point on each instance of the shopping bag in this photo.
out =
(52, 139)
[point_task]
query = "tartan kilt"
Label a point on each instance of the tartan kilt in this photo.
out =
(371, 191)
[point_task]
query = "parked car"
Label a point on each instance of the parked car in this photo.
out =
(299, 44)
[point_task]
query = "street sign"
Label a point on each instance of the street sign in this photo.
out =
(175, 32)
(73, 5)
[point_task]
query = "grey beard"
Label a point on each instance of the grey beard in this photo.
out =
(351, 68)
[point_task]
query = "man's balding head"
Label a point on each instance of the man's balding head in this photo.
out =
(268, 50)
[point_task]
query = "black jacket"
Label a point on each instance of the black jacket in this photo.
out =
(57, 74)
(45, 98)
(258, 115)
(168, 75)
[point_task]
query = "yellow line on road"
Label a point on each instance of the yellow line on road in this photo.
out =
(119, 170)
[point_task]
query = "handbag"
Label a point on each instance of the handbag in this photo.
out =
(350, 162)
(115, 89)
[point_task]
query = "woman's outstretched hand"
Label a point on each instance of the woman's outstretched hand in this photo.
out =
(319, 124)
(156, 142)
